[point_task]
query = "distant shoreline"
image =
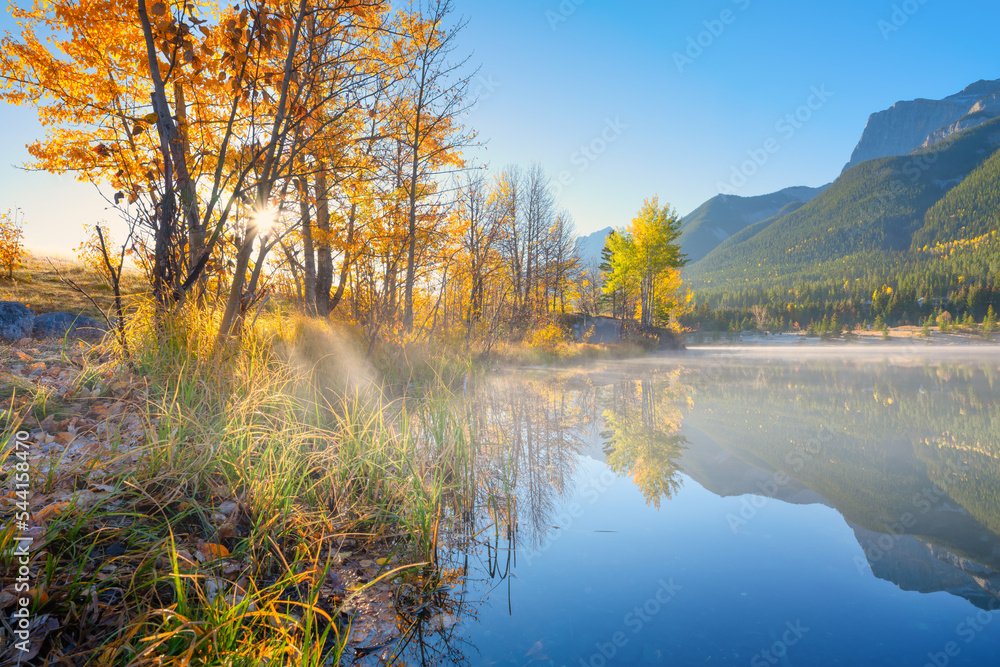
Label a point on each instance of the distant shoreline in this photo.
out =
(909, 335)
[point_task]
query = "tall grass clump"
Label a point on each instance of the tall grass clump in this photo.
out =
(263, 457)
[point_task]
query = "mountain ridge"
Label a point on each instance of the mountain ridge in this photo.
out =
(913, 124)
(723, 216)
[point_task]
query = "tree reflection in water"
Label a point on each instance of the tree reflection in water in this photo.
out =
(643, 436)
(528, 435)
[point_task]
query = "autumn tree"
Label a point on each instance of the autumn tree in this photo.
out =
(591, 288)
(196, 115)
(430, 135)
(11, 241)
(645, 256)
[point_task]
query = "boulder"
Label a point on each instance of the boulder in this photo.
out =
(59, 324)
(16, 321)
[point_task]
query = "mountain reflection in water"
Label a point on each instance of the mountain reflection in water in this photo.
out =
(905, 451)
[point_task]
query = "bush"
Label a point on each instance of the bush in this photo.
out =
(547, 338)
(11, 242)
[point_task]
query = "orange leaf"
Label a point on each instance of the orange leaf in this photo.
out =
(52, 511)
(212, 551)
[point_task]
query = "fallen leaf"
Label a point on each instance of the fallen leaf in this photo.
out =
(212, 551)
(38, 630)
(52, 511)
(7, 597)
(39, 595)
(65, 438)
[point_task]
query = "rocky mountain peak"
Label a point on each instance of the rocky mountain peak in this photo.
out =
(914, 124)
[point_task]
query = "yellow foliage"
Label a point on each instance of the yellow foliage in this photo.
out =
(11, 242)
(89, 252)
(547, 338)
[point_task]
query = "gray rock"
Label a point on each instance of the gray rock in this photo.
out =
(16, 321)
(920, 123)
(59, 324)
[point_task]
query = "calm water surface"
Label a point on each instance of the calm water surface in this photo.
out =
(731, 508)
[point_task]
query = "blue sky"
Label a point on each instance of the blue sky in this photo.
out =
(559, 76)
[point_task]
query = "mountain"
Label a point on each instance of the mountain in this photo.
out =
(720, 217)
(748, 433)
(881, 210)
(921, 123)
(589, 247)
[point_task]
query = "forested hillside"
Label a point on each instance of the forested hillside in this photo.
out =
(901, 238)
(723, 216)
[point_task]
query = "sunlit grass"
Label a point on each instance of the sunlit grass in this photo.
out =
(292, 429)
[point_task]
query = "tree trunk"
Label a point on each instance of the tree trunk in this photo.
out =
(324, 253)
(345, 267)
(309, 261)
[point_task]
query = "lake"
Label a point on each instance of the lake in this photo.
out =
(747, 506)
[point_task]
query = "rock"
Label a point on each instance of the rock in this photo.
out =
(57, 325)
(908, 126)
(16, 321)
(981, 112)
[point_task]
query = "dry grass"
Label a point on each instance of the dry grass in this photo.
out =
(223, 508)
(38, 285)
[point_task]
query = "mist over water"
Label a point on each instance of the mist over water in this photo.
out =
(820, 505)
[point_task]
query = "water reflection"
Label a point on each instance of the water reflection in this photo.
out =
(906, 453)
(642, 433)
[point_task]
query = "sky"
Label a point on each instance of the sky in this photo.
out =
(619, 100)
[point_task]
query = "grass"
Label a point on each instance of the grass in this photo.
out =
(237, 506)
(39, 285)
(218, 537)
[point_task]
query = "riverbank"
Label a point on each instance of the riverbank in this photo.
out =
(269, 505)
(904, 334)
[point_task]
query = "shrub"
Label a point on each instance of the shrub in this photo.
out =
(547, 338)
(89, 252)
(11, 242)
